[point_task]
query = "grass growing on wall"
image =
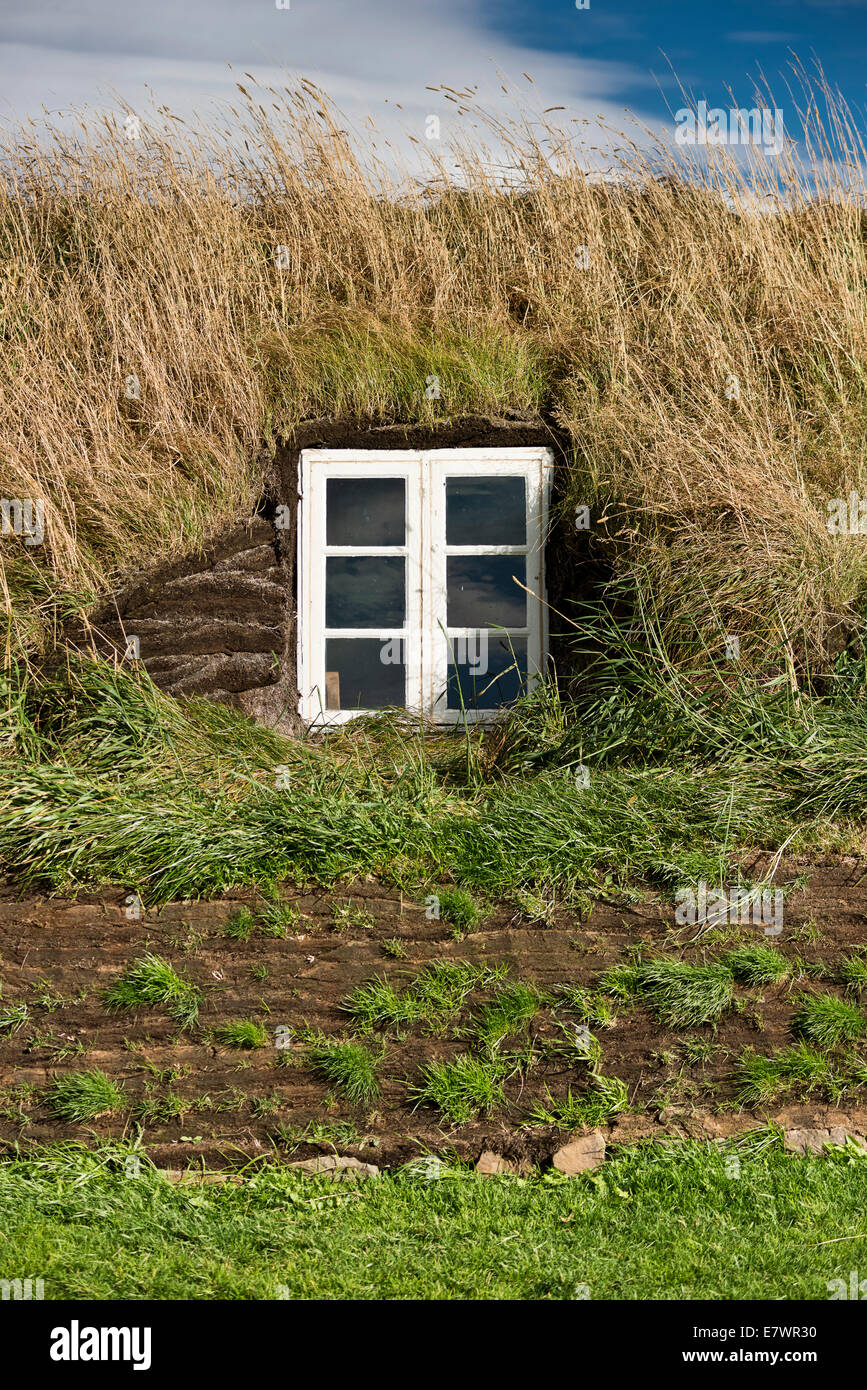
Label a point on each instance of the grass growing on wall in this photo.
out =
(104, 779)
(249, 287)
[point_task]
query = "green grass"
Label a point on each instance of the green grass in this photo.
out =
(110, 781)
(757, 965)
(825, 1020)
(653, 1223)
(622, 980)
(352, 916)
(511, 1012)
(681, 995)
(332, 1134)
(374, 363)
(243, 1034)
(350, 1068)
(393, 947)
(84, 1095)
(240, 925)
(161, 1107)
(459, 907)
(278, 919)
(606, 1097)
(537, 907)
(436, 994)
(762, 1079)
(853, 971)
(152, 982)
(13, 1017)
(462, 1088)
(380, 1004)
(274, 919)
(697, 1051)
(590, 1006)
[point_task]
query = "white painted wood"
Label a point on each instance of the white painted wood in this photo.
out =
(425, 636)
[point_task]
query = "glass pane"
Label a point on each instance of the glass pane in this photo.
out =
(365, 590)
(364, 673)
(481, 591)
(365, 511)
(486, 511)
(487, 670)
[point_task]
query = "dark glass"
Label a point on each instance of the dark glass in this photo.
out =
(481, 591)
(365, 511)
(370, 673)
(365, 590)
(486, 511)
(486, 679)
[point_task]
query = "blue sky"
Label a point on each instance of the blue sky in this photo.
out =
(371, 55)
(712, 47)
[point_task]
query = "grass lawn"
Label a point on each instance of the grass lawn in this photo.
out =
(685, 1221)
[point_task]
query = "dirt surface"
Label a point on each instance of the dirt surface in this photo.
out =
(58, 956)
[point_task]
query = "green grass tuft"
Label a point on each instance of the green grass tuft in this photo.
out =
(84, 1095)
(623, 980)
(278, 919)
(437, 994)
(511, 1012)
(152, 982)
(463, 1088)
(240, 925)
(757, 965)
(459, 907)
(761, 1079)
(606, 1098)
(590, 1006)
(243, 1034)
(682, 995)
(349, 1067)
(826, 1020)
(853, 971)
(13, 1017)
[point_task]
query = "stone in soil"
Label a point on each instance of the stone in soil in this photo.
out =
(581, 1155)
(813, 1141)
(335, 1165)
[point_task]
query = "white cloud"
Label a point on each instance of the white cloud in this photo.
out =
(369, 55)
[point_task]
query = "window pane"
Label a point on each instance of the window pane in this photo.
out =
(481, 591)
(486, 511)
(365, 511)
(365, 590)
(486, 674)
(364, 673)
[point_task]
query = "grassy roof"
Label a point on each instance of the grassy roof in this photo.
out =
(246, 289)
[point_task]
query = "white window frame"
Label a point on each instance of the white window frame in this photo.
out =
(426, 645)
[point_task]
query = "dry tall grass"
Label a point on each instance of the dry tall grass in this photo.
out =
(161, 259)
